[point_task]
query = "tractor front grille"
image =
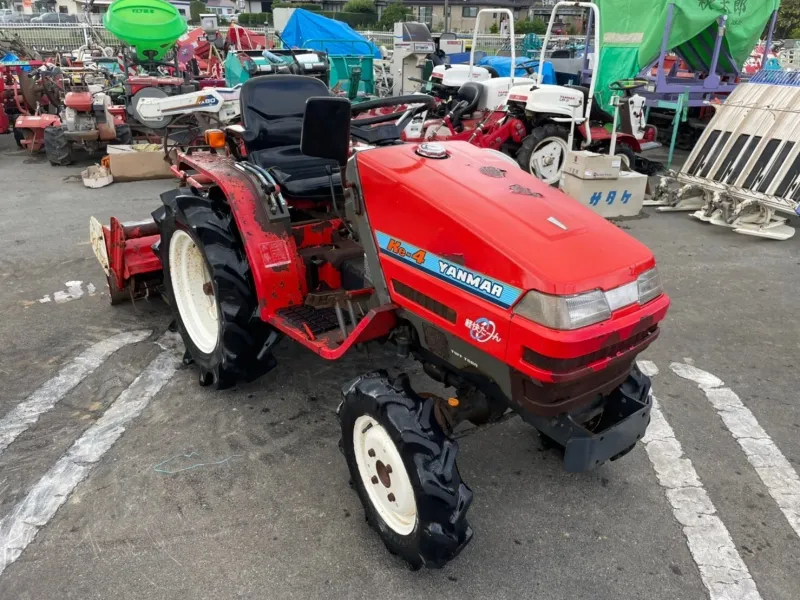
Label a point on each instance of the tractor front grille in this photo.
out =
(424, 301)
(638, 342)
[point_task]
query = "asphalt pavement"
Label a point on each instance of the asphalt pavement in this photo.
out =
(123, 478)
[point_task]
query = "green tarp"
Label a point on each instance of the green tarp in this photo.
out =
(631, 33)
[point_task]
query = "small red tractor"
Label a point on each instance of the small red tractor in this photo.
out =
(492, 280)
(30, 97)
(488, 128)
(88, 123)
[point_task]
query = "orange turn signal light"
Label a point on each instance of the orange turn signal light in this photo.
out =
(215, 138)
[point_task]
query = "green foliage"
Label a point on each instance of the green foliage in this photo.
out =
(495, 28)
(523, 26)
(305, 5)
(196, 8)
(395, 12)
(788, 20)
(360, 6)
(254, 19)
(355, 20)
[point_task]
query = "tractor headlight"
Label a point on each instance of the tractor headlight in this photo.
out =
(565, 312)
(649, 284)
(581, 310)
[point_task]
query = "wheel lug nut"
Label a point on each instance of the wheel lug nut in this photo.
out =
(371, 453)
(390, 497)
(374, 479)
(388, 468)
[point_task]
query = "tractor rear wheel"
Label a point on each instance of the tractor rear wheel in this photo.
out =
(19, 135)
(544, 152)
(209, 288)
(57, 146)
(124, 135)
(627, 155)
(403, 467)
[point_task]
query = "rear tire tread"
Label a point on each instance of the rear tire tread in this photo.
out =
(57, 146)
(242, 332)
(537, 136)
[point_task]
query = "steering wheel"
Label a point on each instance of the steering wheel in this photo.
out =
(531, 67)
(422, 102)
(628, 85)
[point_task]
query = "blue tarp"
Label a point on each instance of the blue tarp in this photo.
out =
(502, 64)
(306, 29)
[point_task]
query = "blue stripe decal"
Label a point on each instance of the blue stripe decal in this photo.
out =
(476, 283)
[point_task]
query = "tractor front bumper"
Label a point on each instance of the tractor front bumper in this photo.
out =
(619, 420)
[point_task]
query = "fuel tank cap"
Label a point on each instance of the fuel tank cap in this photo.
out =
(431, 150)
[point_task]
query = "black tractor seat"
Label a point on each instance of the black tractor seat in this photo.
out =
(272, 118)
(598, 114)
(470, 93)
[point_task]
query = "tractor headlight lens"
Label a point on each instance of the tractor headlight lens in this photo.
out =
(565, 312)
(649, 284)
(581, 310)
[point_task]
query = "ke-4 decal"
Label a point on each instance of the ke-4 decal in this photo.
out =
(481, 285)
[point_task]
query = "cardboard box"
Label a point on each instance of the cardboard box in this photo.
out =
(590, 165)
(134, 163)
(610, 198)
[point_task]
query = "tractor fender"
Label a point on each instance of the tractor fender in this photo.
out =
(627, 139)
(278, 272)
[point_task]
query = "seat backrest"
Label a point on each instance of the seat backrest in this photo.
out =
(598, 113)
(272, 109)
(470, 93)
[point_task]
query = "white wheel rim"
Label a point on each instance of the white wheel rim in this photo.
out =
(547, 159)
(190, 283)
(384, 475)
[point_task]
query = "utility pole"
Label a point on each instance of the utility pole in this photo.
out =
(446, 16)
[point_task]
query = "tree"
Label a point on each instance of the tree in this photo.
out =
(395, 12)
(360, 6)
(494, 28)
(196, 8)
(788, 18)
(536, 26)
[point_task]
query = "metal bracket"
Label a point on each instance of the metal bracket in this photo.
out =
(278, 210)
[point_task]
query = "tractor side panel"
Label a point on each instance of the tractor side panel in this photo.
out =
(277, 269)
(436, 286)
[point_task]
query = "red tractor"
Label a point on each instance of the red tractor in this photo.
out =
(494, 129)
(88, 123)
(30, 96)
(491, 279)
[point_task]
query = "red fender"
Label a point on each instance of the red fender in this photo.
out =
(601, 134)
(278, 271)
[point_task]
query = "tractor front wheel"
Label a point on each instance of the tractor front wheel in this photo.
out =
(403, 467)
(19, 135)
(124, 135)
(209, 288)
(57, 146)
(544, 152)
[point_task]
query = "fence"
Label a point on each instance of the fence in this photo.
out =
(790, 58)
(63, 37)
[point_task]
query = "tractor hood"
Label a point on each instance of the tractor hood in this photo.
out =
(477, 212)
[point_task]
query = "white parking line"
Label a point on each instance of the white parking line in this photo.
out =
(19, 528)
(25, 414)
(722, 569)
(771, 465)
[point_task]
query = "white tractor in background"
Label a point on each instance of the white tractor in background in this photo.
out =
(561, 118)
